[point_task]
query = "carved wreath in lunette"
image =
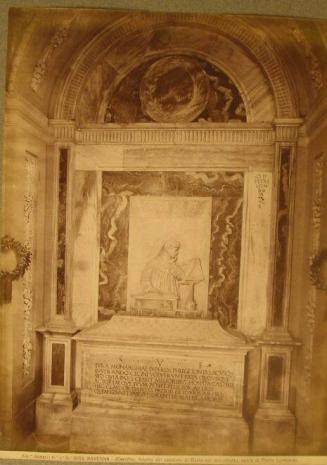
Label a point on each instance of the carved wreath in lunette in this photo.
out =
(316, 272)
(23, 256)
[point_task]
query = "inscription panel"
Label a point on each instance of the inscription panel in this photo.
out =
(205, 382)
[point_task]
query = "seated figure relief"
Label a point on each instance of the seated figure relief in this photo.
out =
(164, 279)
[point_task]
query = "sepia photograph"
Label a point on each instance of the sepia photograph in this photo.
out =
(163, 262)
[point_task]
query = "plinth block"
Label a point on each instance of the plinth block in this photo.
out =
(125, 429)
(54, 414)
(273, 432)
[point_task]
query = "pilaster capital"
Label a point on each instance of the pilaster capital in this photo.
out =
(64, 130)
(287, 129)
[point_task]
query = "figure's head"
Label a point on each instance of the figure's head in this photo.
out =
(172, 247)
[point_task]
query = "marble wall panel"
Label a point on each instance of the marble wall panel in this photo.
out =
(85, 257)
(226, 190)
(282, 236)
(61, 242)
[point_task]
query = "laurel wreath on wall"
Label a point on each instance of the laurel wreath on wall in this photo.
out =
(23, 256)
(316, 272)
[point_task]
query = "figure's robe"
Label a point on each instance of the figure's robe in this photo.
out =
(161, 275)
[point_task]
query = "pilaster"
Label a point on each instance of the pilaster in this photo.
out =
(274, 423)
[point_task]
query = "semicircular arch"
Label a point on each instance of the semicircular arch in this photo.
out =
(259, 76)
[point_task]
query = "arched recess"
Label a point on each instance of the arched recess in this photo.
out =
(224, 41)
(202, 44)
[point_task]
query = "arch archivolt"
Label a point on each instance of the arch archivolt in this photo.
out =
(225, 42)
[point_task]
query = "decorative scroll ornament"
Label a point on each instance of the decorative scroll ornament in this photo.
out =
(318, 270)
(41, 66)
(30, 212)
(312, 61)
(23, 260)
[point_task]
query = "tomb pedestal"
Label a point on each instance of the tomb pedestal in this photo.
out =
(159, 385)
(54, 406)
(274, 424)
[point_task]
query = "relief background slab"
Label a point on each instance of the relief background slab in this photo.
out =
(153, 221)
(226, 190)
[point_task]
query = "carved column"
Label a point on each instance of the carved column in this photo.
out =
(274, 423)
(54, 406)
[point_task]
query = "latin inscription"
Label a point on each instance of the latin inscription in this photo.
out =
(154, 380)
(261, 181)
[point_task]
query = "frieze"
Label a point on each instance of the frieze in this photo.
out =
(193, 133)
(172, 136)
(237, 134)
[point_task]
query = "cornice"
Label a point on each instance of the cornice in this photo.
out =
(34, 121)
(17, 103)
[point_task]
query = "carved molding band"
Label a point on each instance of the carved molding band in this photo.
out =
(233, 134)
(316, 205)
(30, 199)
(176, 136)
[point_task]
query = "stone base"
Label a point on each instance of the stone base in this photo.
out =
(273, 432)
(54, 414)
(122, 428)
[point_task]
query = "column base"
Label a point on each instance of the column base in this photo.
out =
(54, 414)
(273, 432)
